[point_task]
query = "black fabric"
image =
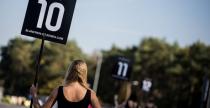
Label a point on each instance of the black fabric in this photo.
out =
(64, 103)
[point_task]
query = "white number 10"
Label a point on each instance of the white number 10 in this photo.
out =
(52, 6)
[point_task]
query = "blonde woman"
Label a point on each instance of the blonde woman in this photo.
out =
(74, 93)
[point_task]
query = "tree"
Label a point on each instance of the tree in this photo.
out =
(176, 72)
(19, 59)
(16, 63)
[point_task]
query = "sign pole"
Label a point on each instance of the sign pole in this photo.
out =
(40, 22)
(38, 67)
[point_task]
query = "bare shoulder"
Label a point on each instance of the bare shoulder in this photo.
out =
(94, 100)
(93, 94)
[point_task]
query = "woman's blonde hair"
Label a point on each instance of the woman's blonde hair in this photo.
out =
(77, 72)
(125, 92)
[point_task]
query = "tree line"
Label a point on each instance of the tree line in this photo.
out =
(176, 72)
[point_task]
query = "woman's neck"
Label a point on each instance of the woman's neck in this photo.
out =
(72, 83)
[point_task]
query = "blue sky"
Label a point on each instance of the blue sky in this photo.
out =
(98, 24)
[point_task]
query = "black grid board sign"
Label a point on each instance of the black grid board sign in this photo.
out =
(122, 68)
(50, 19)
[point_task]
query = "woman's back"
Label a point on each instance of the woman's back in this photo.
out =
(73, 96)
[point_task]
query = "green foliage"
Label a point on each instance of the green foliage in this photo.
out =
(176, 72)
(19, 60)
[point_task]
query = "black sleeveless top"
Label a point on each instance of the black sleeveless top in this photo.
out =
(64, 103)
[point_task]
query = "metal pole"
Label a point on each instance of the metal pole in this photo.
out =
(208, 101)
(205, 91)
(37, 67)
(98, 68)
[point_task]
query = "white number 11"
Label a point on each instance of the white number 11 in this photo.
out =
(122, 70)
(52, 6)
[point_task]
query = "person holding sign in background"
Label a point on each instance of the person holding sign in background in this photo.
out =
(74, 93)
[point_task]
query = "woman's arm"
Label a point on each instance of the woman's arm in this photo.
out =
(33, 91)
(50, 101)
(94, 100)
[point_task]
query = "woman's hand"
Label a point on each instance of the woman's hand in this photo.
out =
(33, 91)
